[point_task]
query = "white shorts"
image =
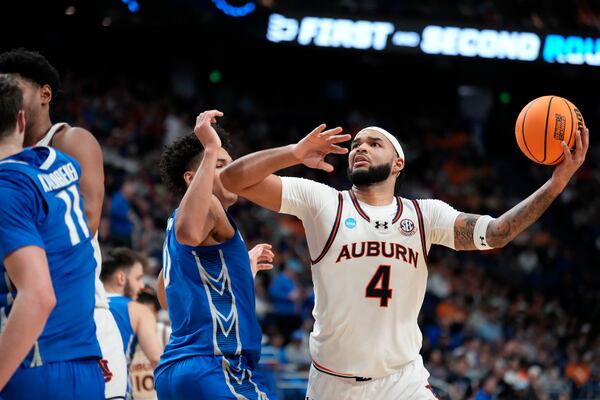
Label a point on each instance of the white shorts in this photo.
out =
(409, 383)
(113, 356)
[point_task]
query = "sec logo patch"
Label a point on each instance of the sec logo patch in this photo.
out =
(407, 227)
(350, 223)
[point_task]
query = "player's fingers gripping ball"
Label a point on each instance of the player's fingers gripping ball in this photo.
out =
(543, 124)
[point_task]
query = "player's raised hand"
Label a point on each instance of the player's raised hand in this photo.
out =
(314, 147)
(573, 160)
(204, 130)
(261, 258)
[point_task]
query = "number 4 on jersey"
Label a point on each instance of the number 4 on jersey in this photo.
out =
(379, 286)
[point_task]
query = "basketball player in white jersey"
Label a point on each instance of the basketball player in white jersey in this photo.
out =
(369, 254)
(39, 80)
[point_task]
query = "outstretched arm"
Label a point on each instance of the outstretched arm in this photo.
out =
(251, 176)
(503, 230)
(194, 221)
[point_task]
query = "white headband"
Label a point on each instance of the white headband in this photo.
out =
(389, 137)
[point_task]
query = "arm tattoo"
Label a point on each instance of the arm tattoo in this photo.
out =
(463, 231)
(517, 219)
(505, 228)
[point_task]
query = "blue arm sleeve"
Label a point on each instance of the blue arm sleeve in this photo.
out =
(19, 213)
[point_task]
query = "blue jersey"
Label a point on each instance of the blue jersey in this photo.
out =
(42, 206)
(210, 293)
(119, 307)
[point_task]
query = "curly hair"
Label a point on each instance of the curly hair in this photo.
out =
(185, 155)
(30, 65)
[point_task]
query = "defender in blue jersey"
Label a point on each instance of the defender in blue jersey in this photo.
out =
(215, 344)
(123, 278)
(48, 345)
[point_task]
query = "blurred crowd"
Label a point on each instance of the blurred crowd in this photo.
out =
(516, 323)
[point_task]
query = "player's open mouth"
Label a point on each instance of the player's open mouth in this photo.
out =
(360, 161)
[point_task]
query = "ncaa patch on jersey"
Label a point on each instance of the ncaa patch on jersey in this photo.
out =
(407, 227)
(350, 223)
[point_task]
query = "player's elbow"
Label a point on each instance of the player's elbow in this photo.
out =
(189, 235)
(498, 233)
(228, 182)
(94, 224)
(231, 180)
(188, 230)
(44, 302)
(153, 359)
(498, 243)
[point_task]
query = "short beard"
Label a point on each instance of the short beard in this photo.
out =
(128, 291)
(372, 175)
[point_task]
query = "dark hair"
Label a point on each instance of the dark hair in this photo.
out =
(11, 102)
(30, 65)
(185, 155)
(146, 297)
(119, 258)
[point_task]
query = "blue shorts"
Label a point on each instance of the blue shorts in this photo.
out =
(210, 377)
(65, 380)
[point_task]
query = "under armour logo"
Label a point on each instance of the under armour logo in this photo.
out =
(379, 225)
(482, 240)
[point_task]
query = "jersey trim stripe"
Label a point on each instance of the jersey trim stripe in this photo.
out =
(432, 391)
(399, 209)
(328, 371)
(331, 372)
(334, 230)
(357, 206)
(50, 160)
(422, 231)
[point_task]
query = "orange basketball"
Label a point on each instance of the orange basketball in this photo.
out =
(543, 124)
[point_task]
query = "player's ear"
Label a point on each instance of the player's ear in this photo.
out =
(121, 277)
(397, 166)
(46, 94)
(188, 176)
(21, 121)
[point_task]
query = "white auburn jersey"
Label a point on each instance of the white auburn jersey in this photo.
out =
(100, 293)
(369, 270)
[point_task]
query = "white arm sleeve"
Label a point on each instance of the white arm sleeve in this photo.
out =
(305, 198)
(314, 204)
(439, 220)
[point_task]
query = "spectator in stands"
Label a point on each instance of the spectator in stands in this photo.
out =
(286, 293)
(121, 225)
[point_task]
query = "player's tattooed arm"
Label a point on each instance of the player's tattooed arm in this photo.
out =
(463, 231)
(505, 228)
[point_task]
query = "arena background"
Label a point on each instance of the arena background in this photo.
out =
(521, 323)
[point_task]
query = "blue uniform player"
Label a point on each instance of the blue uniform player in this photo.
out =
(123, 278)
(119, 307)
(48, 345)
(215, 344)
